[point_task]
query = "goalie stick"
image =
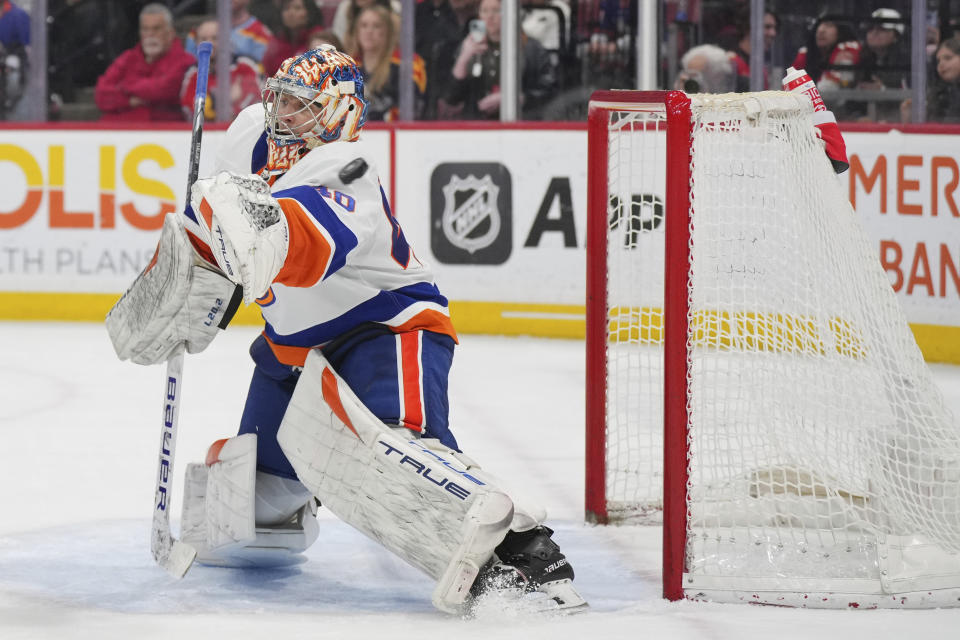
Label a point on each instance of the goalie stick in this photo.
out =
(175, 556)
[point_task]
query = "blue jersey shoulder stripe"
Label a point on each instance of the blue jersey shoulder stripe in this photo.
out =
(343, 238)
(258, 160)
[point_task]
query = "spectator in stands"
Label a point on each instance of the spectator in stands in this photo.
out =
(943, 94)
(605, 31)
(245, 79)
(441, 25)
(14, 27)
(706, 69)
(248, 39)
(742, 50)
(476, 72)
(349, 10)
(14, 50)
(546, 21)
(143, 84)
(375, 35)
(250, 35)
(831, 55)
(300, 20)
(884, 62)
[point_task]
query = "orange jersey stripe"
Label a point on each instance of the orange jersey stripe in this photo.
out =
(419, 73)
(253, 35)
(419, 69)
(429, 320)
(331, 395)
(286, 354)
(409, 366)
(308, 255)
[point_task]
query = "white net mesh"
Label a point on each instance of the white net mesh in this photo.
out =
(635, 257)
(817, 435)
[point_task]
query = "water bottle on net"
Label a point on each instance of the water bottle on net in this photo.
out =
(798, 80)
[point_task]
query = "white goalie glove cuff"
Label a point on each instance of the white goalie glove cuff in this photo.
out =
(245, 228)
(175, 300)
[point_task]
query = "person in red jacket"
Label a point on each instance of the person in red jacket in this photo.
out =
(831, 54)
(143, 83)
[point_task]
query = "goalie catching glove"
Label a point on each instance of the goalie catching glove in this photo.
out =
(244, 227)
(176, 299)
(799, 81)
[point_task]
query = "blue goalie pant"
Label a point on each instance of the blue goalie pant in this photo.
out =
(401, 378)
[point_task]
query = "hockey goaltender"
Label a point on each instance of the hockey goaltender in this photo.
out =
(348, 404)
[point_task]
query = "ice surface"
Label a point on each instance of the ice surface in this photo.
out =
(80, 433)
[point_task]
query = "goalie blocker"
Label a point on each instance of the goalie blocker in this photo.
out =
(178, 298)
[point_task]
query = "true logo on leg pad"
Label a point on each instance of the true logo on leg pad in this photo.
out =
(430, 473)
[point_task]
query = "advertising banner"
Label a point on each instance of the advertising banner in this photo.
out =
(81, 211)
(502, 214)
(499, 213)
(905, 189)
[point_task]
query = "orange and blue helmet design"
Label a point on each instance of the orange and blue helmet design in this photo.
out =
(324, 84)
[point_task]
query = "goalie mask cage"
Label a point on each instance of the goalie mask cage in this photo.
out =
(752, 384)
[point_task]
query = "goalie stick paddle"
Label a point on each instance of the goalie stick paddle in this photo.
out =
(175, 556)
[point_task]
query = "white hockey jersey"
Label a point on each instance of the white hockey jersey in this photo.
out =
(348, 262)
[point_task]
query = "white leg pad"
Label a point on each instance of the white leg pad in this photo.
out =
(483, 528)
(219, 514)
(230, 491)
(423, 506)
(193, 517)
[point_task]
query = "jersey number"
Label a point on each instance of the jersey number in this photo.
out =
(399, 249)
(339, 197)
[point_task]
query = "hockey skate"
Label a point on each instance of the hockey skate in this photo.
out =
(528, 567)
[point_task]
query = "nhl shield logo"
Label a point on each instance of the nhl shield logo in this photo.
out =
(475, 222)
(471, 215)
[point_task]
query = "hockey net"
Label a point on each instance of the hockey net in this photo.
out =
(810, 458)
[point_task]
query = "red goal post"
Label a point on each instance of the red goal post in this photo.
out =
(677, 159)
(752, 385)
